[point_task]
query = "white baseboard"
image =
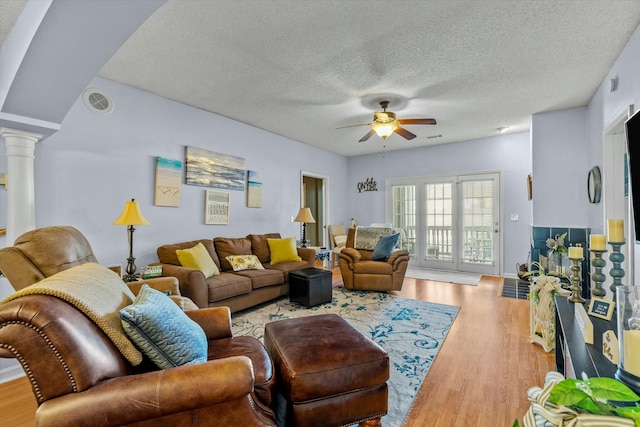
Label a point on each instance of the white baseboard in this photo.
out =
(11, 373)
(510, 276)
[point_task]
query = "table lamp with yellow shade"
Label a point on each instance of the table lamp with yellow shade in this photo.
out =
(131, 215)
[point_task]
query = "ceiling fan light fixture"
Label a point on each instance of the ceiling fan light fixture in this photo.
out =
(383, 130)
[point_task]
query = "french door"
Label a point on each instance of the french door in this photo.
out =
(449, 223)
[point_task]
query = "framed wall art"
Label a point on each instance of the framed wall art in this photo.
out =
(168, 181)
(210, 169)
(216, 207)
(254, 189)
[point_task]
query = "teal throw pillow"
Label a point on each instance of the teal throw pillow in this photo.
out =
(385, 246)
(162, 331)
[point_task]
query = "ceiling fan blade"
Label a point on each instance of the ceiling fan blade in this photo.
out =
(367, 136)
(405, 133)
(353, 126)
(418, 121)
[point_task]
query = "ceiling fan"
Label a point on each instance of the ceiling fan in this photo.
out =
(385, 123)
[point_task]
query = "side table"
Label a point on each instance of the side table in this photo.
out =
(324, 255)
(310, 286)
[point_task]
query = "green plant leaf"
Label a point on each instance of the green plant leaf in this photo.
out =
(567, 393)
(611, 389)
(516, 423)
(631, 412)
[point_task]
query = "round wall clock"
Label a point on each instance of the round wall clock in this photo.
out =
(594, 185)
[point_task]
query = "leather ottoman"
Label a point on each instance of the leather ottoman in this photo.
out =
(328, 372)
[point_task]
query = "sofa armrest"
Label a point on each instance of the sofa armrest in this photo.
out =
(309, 255)
(152, 395)
(215, 321)
(192, 283)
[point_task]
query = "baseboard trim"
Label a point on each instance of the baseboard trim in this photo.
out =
(510, 276)
(11, 373)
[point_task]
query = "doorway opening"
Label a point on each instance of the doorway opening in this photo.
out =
(314, 196)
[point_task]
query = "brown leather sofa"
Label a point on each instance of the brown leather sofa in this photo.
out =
(237, 290)
(360, 272)
(45, 251)
(80, 378)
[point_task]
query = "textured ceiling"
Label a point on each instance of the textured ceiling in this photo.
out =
(303, 68)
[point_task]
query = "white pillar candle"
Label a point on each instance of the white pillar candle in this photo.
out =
(575, 252)
(616, 230)
(632, 352)
(598, 242)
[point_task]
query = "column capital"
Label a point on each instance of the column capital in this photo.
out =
(20, 134)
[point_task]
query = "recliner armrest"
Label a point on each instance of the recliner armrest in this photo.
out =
(135, 398)
(215, 321)
(161, 284)
(397, 257)
(351, 254)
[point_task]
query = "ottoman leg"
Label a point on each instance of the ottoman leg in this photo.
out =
(376, 422)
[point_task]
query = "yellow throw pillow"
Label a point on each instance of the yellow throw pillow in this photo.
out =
(244, 262)
(283, 250)
(198, 258)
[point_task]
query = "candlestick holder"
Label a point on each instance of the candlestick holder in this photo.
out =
(575, 279)
(598, 277)
(616, 272)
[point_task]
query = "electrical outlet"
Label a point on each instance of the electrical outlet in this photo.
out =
(514, 217)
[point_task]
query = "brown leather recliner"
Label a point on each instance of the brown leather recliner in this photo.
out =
(360, 272)
(45, 251)
(79, 377)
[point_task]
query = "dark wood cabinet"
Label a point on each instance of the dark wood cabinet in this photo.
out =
(573, 356)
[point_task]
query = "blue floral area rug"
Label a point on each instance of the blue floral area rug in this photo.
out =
(411, 332)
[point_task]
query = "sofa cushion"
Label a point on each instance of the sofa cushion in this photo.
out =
(286, 267)
(283, 250)
(227, 285)
(260, 247)
(263, 278)
(167, 253)
(226, 246)
(162, 331)
(385, 246)
(244, 262)
(198, 258)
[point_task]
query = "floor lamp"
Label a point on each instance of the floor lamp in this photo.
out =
(131, 216)
(304, 216)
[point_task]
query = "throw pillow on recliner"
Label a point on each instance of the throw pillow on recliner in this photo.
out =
(162, 332)
(385, 246)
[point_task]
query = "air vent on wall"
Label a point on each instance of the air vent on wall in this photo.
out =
(98, 101)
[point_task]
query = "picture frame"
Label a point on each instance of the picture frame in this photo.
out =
(210, 169)
(216, 207)
(601, 308)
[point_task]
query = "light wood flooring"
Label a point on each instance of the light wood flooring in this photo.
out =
(479, 377)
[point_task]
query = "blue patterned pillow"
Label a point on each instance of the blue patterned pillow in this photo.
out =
(161, 330)
(385, 246)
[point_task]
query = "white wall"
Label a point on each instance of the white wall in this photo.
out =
(508, 154)
(88, 170)
(559, 158)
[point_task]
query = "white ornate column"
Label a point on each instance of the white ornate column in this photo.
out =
(21, 208)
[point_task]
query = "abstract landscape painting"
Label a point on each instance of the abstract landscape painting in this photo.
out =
(210, 169)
